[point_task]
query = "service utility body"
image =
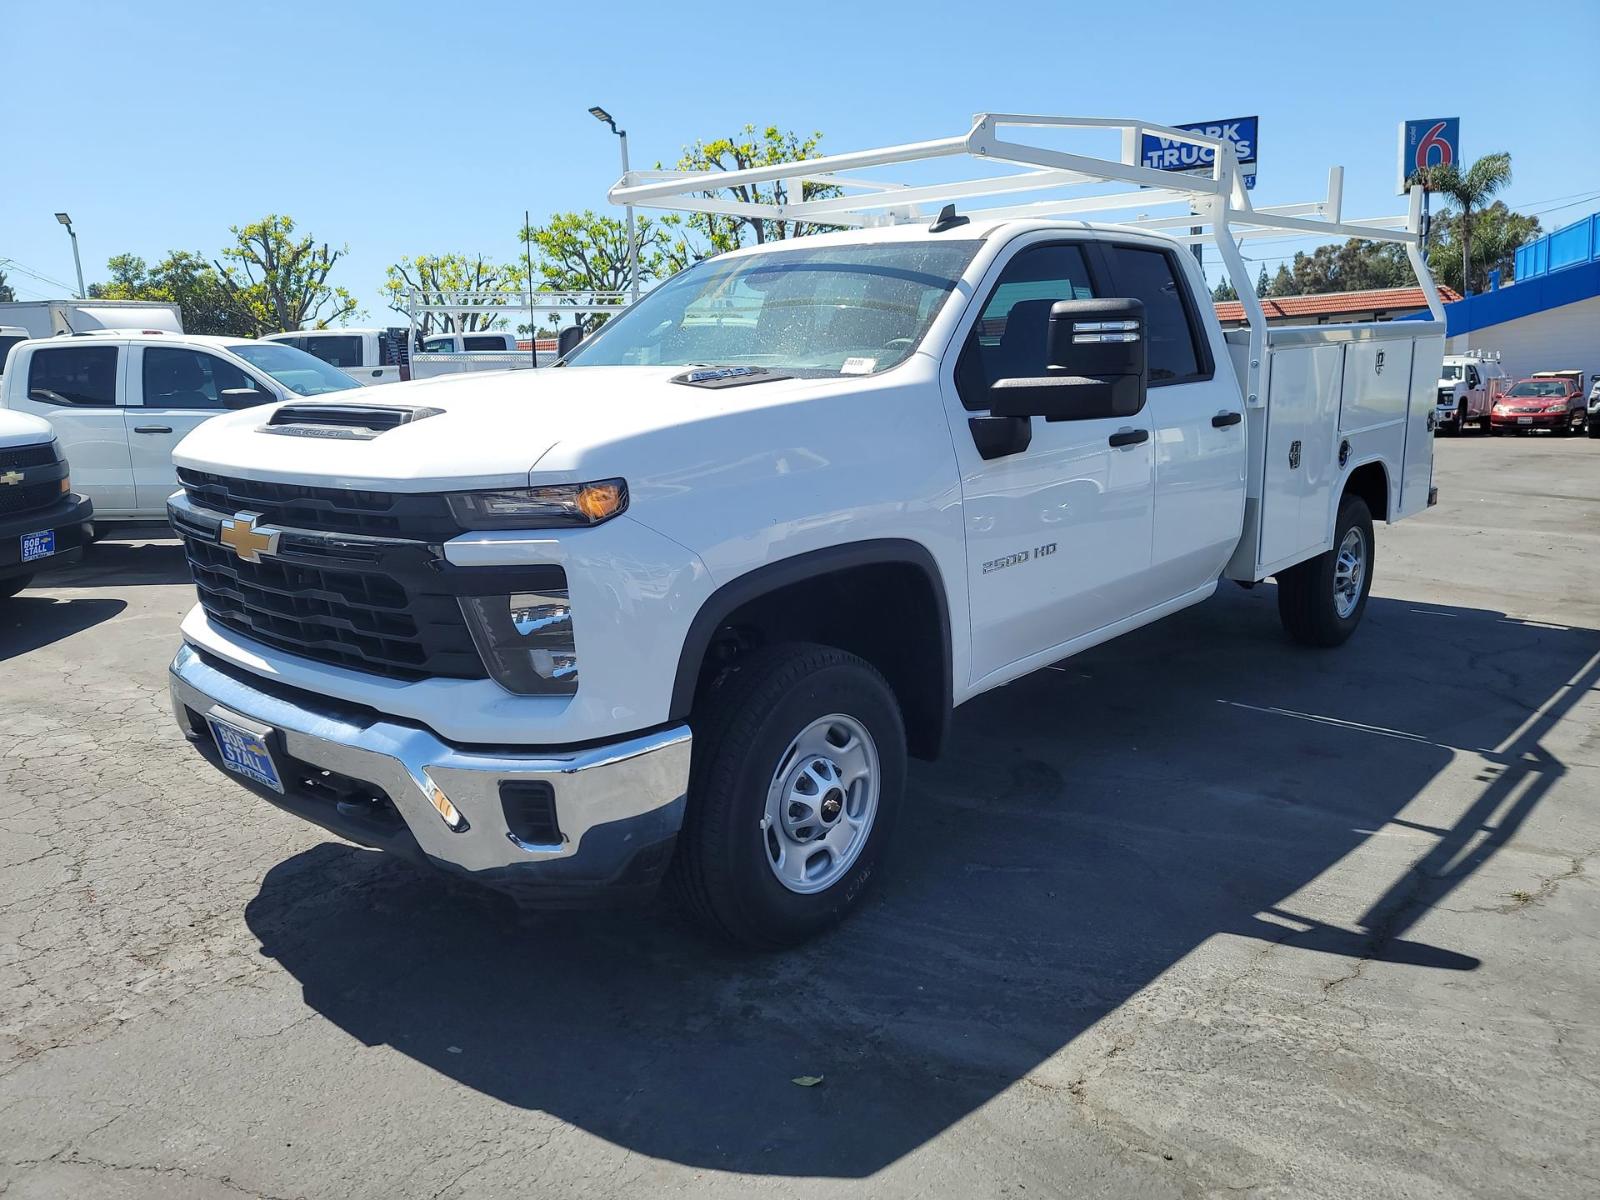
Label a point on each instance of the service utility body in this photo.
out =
(681, 606)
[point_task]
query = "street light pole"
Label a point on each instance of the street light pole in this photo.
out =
(76, 261)
(602, 115)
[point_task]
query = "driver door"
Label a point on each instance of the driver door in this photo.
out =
(1059, 533)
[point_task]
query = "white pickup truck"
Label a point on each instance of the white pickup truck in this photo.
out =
(685, 608)
(368, 356)
(119, 400)
(44, 524)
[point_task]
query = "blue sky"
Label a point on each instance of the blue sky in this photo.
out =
(410, 128)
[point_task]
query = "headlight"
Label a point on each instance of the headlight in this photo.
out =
(1556, 406)
(541, 507)
(525, 640)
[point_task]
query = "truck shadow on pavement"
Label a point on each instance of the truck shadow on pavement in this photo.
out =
(1088, 828)
(29, 622)
(126, 559)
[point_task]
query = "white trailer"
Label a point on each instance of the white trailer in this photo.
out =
(47, 318)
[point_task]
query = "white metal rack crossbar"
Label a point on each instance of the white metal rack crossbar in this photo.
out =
(1218, 204)
(459, 305)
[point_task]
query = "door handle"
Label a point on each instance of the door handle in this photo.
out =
(152, 428)
(1129, 437)
(1223, 419)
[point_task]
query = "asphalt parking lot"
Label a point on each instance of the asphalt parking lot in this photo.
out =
(1199, 912)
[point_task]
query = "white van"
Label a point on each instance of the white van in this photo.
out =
(369, 356)
(120, 400)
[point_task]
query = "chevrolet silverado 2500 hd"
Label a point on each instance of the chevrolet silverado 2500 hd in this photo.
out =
(686, 608)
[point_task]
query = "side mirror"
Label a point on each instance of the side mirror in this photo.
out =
(237, 398)
(568, 339)
(1095, 364)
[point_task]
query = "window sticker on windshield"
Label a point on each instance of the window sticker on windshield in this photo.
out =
(858, 366)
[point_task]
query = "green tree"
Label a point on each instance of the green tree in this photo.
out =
(1497, 231)
(438, 275)
(184, 278)
(1263, 284)
(1469, 189)
(282, 280)
(7, 293)
(1224, 291)
(587, 252)
(750, 147)
(1354, 266)
(1283, 283)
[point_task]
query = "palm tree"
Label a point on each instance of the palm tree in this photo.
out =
(1473, 189)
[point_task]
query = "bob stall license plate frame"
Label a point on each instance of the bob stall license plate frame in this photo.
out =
(243, 747)
(34, 546)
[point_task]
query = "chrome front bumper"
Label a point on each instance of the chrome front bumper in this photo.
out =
(617, 807)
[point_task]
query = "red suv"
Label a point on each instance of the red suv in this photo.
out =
(1553, 404)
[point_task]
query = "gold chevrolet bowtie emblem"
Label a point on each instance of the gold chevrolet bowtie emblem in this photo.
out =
(11, 477)
(247, 539)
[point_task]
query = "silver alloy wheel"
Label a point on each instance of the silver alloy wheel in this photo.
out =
(821, 804)
(1349, 570)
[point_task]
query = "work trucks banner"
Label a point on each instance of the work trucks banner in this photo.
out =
(1165, 154)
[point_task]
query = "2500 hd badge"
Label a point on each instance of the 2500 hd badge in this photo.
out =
(1021, 556)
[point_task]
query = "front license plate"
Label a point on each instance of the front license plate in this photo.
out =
(245, 753)
(1524, 420)
(38, 545)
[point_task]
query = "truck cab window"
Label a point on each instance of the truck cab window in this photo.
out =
(1173, 352)
(1008, 342)
(85, 375)
(175, 377)
(343, 350)
(484, 342)
(439, 345)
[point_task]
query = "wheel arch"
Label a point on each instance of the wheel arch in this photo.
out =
(885, 600)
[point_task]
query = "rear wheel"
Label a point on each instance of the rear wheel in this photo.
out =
(798, 765)
(10, 587)
(1321, 601)
(1461, 419)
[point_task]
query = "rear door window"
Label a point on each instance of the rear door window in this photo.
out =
(1173, 346)
(439, 345)
(177, 377)
(76, 375)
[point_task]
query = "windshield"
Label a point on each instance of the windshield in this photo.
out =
(814, 312)
(298, 371)
(1546, 388)
(1450, 373)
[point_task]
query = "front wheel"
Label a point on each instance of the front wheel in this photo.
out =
(1321, 600)
(1594, 430)
(799, 762)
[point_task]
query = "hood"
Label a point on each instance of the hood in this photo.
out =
(23, 429)
(472, 431)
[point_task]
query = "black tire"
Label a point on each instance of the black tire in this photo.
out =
(742, 728)
(1594, 430)
(1461, 419)
(1306, 604)
(10, 587)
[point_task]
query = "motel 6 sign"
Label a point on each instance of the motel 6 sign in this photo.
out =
(1434, 142)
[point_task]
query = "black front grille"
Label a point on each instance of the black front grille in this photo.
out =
(381, 604)
(25, 498)
(337, 510)
(17, 457)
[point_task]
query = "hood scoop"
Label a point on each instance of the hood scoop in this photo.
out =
(356, 422)
(725, 377)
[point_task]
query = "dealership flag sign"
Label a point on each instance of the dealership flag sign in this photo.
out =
(1435, 142)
